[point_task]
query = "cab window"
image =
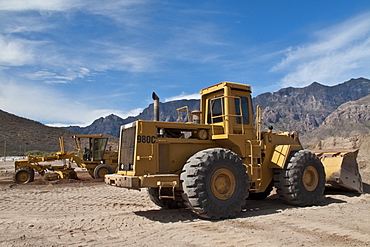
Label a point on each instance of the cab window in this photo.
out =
(244, 103)
(215, 110)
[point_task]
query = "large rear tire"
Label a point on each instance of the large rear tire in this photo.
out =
(302, 181)
(215, 183)
(24, 175)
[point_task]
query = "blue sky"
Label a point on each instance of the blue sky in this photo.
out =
(69, 62)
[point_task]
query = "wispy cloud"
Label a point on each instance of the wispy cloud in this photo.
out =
(38, 23)
(127, 58)
(40, 5)
(16, 52)
(18, 97)
(51, 77)
(339, 53)
(183, 96)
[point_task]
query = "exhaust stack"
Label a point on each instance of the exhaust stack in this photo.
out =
(156, 106)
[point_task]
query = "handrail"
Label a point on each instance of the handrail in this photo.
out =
(259, 123)
(179, 110)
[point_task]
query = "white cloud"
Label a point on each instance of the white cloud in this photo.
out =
(18, 20)
(95, 115)
(44, 104)
(128, 58)
(15, 52)
(111, 8)
(132, 53)
(51, 77)
(131, 113)
(51, 106)
(340, 52)
(183, 95)
(39, 5)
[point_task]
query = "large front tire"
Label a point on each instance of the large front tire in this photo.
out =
(302, 181)
(215, 183)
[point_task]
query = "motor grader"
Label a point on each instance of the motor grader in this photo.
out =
(91, 154)
(220, 157)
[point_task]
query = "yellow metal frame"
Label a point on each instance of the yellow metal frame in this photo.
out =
(281, 154)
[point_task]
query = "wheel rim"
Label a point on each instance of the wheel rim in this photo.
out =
(22, 176)
(310, 178)
(223, 184)
(102, 173)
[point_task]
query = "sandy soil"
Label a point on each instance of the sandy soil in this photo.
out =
(88, 212)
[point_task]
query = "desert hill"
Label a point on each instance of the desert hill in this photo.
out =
(19, 135)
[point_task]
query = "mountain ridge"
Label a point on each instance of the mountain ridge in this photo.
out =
(301, 109)
(304, 109)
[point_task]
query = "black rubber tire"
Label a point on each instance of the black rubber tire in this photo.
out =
(260, 195)
(24, 175)
(166, 203)
(101, 170)
(291, 183)
(203, 180)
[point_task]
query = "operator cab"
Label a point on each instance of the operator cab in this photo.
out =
(228, 105)
(94, 147)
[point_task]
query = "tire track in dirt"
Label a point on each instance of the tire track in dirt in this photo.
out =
(94, 214)
(310, 225)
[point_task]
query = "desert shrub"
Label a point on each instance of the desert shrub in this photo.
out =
(38, 153)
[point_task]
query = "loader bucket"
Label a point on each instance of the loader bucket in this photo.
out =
(341, 169)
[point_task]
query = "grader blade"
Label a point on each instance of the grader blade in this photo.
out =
(341, 169)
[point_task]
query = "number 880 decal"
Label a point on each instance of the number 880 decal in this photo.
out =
(145, 139)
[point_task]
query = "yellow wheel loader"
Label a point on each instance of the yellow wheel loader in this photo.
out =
(218, 158)
(91, 154)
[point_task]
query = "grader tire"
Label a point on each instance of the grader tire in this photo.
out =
(166, 203)
(215, 183)
(24, 175)
(302, 181)
(101, 170)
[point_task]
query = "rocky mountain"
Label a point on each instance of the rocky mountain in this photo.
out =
(111, 124)
(19, 135)
(300, 109)
(350, 119)
(305, 109)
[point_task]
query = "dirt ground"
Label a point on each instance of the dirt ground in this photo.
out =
(88, 212)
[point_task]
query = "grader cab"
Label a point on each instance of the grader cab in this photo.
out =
(96, 158)
(215, 161)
